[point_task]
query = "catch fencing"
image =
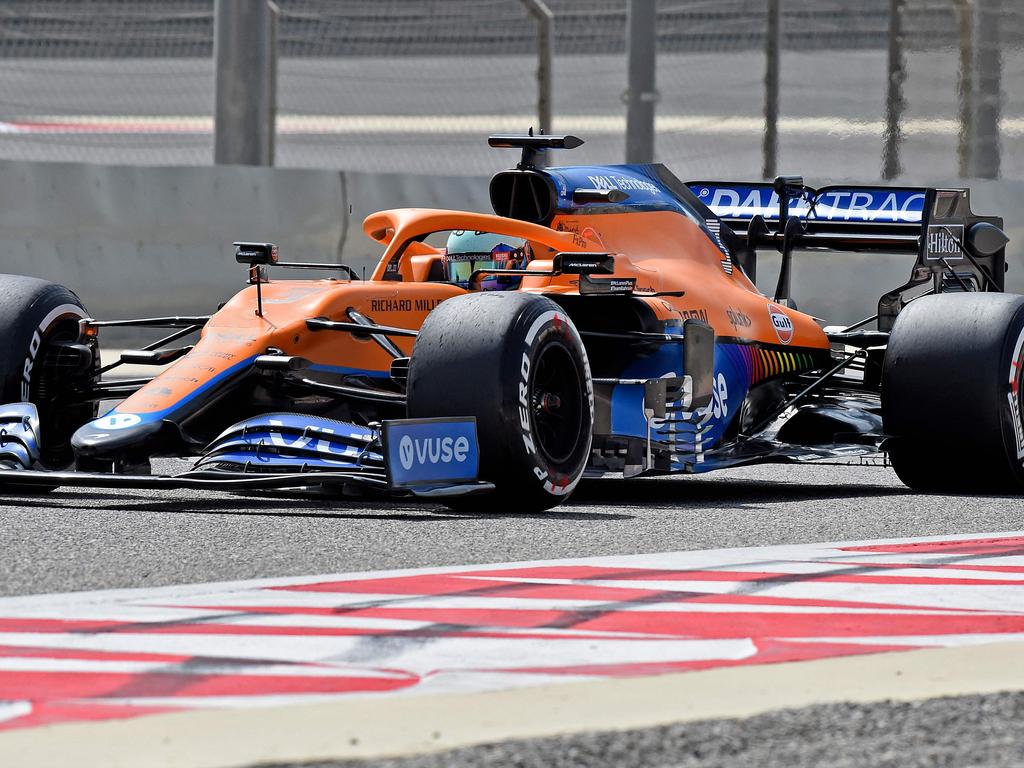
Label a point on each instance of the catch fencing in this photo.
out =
(410, 86)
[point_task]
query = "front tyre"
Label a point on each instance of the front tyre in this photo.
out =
(35, 317)
(952, 393)
(516, 362)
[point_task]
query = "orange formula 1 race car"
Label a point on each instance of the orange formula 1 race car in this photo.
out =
(604, 322)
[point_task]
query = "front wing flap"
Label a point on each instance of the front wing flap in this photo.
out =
(288, 451)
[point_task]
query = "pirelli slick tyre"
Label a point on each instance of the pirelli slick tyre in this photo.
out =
(33, 315)
(516, 362)
(952, 398)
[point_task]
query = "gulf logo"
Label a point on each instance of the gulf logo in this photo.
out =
(782, 324)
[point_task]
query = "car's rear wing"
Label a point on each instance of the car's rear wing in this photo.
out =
(961, 250)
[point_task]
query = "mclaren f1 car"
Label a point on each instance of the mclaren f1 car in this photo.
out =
(604, 321)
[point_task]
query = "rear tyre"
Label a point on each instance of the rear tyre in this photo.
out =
(952, 394)
(34, 314)
(516, 362)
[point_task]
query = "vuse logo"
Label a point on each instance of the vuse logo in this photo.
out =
(782, 324)
(431, 450)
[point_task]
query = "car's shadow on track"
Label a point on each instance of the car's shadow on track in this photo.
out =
(285, 506)
(717, 493)
(594, 500)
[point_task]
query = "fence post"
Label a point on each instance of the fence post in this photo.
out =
(245, 74)
(894, 101)
(275, 17)
(987, 95)
(545, 60)
(641, 94)
(772, 53)
(964, 87)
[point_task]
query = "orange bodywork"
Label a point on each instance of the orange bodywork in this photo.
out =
(663, 250)
(236, 334)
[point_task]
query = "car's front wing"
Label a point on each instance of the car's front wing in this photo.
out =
(420, 457)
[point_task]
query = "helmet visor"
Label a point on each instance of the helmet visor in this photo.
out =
(461, 266)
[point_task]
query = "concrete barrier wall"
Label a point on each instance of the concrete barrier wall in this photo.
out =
(137, 241)
(368, 193)
(142, 241)
(133, 240)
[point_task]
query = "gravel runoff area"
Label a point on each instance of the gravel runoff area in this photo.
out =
(977, 731)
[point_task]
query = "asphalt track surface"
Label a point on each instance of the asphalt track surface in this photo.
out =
(962, 731)
(76, 539)
(80, 539)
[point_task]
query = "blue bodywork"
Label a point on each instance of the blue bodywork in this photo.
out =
(646, 190)
(429, 451)
(651, 187)
(845, 204)
(413, 454)
(731, 384)
(290, 441)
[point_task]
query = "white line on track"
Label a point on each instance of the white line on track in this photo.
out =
(594, 125)
(98, 666)
(11, 710)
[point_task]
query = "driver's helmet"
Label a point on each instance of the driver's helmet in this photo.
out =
(468, 251)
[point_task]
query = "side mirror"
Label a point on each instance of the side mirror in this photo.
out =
(984, 239)
(699, 361)
(255, 253)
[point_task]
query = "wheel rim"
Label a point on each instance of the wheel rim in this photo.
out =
(56, 438)
(556, 390)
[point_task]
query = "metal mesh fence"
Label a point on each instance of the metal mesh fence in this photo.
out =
(833, 92)
(106, 81)
(415, 85)
(392, 85)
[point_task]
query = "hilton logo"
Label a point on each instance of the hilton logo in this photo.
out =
(942, 242)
